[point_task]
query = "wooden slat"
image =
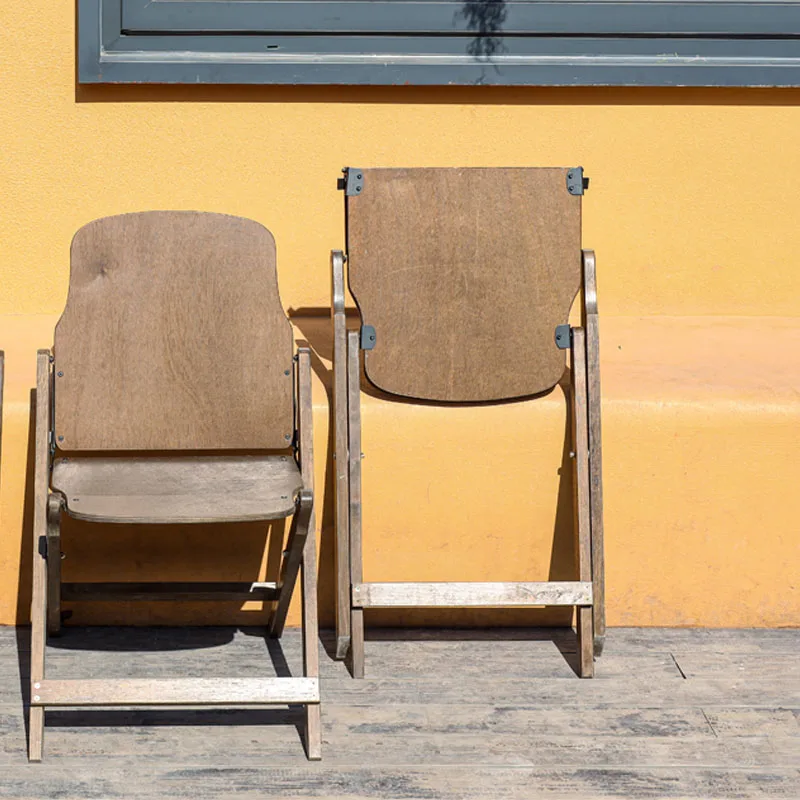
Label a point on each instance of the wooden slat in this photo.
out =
(148, 592)
(446, 264)
(354, 447)
(173, 337)
(583, 549)
(183, 489)
(39, 587)
(457, 595)
(305, 420)
(591, 323)
(340, 462)
(180, 692)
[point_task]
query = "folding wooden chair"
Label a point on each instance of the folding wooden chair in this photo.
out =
(464, 280)
(173, 355)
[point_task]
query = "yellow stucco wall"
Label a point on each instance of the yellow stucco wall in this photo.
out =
(692, 210)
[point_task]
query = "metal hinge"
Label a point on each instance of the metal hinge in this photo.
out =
(576, 183)
(563, 337)
(353, 181)
(367, 337)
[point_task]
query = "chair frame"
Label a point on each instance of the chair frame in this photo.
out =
(48, 592)
(587, 594)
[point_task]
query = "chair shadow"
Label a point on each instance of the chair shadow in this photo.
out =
(315, 326)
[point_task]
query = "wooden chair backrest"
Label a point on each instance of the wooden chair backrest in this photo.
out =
(464, 274)
(173, 337)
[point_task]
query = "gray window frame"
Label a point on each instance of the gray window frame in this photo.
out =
(438, 42)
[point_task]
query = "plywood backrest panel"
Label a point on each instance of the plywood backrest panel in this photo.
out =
(464, 274)
(173, 337)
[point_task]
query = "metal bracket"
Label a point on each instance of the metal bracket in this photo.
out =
(563, 337)
(367, 337)
(576, 183)
(353, 181)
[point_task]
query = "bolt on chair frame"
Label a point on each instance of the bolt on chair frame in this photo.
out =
(298, 557)
(586, 594)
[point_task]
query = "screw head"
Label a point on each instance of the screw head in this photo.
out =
(37, 685)
(60, 438)
(288, 437)
(287, 372)
(60, 374)
(36, 698)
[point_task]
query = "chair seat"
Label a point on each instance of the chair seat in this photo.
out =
(178, 489)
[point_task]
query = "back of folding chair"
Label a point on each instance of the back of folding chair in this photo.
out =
(462, 276)
(173, 337)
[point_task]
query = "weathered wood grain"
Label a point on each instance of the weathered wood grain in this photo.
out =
(443, 263)
(455, 595)
(472, 730)
(39, 582)
(177, 691)
(184, 489)
(591, 324)
(308, 585)
(191, 780)
(340, 457)
(173, 337)
(583, 534)
(355, 516)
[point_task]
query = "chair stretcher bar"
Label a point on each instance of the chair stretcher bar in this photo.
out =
(175, 692)
(459, 595)
(79, 592)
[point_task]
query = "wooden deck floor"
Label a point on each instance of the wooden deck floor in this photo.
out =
(442, 714)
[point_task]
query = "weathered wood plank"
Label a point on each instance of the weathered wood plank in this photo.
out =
(463, 782)
(584, 620)
(355, 516)
(744, 666)
(591, 323)
(177, 691)
(455, 595)
(625, 640)
(41, 490)
(200, 737)
(755, 722)
(185, 306)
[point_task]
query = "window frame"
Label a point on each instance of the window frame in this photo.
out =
(377, 42)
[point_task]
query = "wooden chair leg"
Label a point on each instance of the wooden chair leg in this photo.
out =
(584, 622)
(292, 559)
(54, 508)
(354, 446)
(310, 643)
(591, 322)
(39, 585)
(340, 460)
